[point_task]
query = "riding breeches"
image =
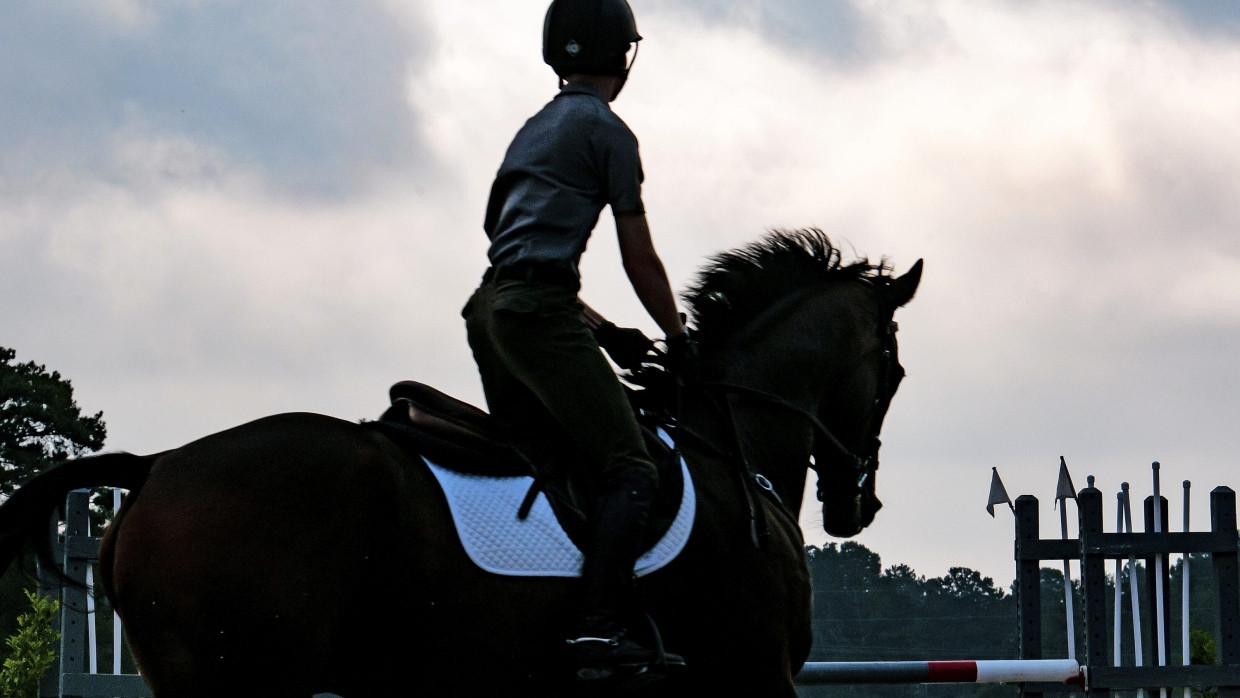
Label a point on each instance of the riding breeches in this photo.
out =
(541, 366)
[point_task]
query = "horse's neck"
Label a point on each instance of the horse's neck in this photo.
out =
(751, 441)
(775, 435)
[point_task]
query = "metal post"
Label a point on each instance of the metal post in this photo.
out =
(1185, 559)
(117, 642)
(1158, 579)
(1064, 491)
(1118, 627)
(1137, 651)
(1067, 582)
(1161, 564)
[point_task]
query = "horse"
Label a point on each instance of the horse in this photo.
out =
(301, 554)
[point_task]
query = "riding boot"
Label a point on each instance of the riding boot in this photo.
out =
(602, 647)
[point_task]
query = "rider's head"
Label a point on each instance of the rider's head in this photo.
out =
(590, 38)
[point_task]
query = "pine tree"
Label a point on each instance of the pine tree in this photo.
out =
(40, 424)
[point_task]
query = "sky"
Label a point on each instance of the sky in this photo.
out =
(216, 210)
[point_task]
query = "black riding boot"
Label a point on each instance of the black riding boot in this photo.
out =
(601, 647)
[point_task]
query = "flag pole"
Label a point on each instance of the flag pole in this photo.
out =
(1160, 620)
(1064, 490)
(1186, 649)
(1119, 576)
(1137, 651)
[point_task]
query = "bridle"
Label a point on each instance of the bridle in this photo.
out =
(812, 419)
(864, 466)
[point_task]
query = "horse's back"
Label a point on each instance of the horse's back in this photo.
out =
(301, 554)
(253, 550)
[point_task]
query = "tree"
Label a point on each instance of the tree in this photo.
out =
(863, 612)
(40, 424)
(962, 583)
(32, 650)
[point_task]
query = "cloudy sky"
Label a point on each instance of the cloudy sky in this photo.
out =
(215, 210)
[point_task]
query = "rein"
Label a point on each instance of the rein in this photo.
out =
(858, 462)
(750, 478)
(863, 466)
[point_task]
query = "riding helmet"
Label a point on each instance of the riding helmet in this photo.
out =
(591, 37)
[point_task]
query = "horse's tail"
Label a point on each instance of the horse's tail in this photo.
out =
(25, 515)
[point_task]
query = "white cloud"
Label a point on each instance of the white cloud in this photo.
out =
(127, 15)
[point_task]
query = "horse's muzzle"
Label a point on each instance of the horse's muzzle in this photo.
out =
(845, 513)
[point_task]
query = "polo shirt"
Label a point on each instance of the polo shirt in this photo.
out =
(566, 163)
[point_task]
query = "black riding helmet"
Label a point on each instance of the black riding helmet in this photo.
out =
(591, 37)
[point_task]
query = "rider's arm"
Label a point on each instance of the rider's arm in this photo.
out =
(646, 273)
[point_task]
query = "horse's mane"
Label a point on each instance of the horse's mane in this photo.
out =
(736, 286)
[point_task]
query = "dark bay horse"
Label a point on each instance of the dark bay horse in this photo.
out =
(300, 554)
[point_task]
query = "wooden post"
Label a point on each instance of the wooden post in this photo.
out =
(1093, 580)
(73, 642)
(1223, 519)
(1028, 582)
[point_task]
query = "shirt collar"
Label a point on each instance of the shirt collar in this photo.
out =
(580, 88)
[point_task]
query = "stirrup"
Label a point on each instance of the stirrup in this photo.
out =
(618, 659)
(666, 660)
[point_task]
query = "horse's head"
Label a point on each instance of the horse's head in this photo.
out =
(846, 453)
(805, 349)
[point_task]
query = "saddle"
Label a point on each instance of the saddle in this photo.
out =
(458, 436)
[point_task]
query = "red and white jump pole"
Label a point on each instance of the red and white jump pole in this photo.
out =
(968, 671)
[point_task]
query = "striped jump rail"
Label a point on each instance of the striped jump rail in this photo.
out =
(1066, 671)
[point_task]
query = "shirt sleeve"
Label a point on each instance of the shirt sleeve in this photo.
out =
(623, 170)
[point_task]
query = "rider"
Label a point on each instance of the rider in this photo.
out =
(540, 364)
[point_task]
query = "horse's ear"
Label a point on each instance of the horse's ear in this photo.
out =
(902, 288)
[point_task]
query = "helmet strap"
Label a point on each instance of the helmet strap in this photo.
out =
(624, 77)
(636, 47)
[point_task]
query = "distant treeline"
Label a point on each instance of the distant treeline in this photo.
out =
(863, 612)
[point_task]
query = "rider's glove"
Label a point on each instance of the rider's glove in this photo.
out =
(682, 356)
(628, 347)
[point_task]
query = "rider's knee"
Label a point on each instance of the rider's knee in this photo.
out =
(639, 479)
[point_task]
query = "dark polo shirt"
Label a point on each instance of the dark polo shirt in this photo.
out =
(567, 162)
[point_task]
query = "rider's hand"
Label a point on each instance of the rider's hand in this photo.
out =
(628, 347)
(682, 356)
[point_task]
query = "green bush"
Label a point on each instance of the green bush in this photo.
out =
(32, 649)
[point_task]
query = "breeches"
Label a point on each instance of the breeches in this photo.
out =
(541, 366)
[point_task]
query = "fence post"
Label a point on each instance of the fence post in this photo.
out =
(1223, 519)
(77, 550)
(1028, 581)
(1093, 579)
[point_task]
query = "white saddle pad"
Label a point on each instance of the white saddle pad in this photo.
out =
(484, 510)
